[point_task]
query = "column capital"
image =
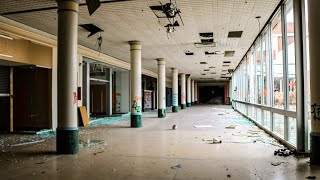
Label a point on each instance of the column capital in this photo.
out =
(161, 61)
(68, 5)
(135, 45)
(174, 68)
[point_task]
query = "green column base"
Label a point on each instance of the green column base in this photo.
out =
(136, 121)
(183, 106)
(67, 141)
(175, 109)
(192, 103)
(162, 113)
(188, 104)
(315, 148)
(196, 102)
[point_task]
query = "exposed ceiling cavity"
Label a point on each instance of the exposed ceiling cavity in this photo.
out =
(235, 34)
(229, 53)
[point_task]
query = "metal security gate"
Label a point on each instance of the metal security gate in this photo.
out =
(4, 81)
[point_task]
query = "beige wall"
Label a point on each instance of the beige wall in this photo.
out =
(25, 51)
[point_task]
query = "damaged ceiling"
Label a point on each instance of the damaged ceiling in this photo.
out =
(214, 31)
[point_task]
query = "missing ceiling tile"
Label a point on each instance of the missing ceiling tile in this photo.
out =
(229, 53)
(206, 35)
(235, 34)
(189, 53)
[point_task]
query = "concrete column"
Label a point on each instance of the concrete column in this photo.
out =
(183, 91)
(175, 92)
(301, 75)
(192, 92)
(314, 38)
(161, 88)
(189, 91)
(136, 108)
(195, 93)
(67, 131)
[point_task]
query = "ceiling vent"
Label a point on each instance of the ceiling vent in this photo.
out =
(211, 67)
(206, 70)
(229, 53)
(203, 63)
(203, 74)
(227, 62)
(225, 65)
(213, 73)
(235, 34)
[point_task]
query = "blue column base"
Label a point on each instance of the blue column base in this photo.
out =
(136, 121)
(67, 141)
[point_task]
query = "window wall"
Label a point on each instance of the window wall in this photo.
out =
(266, 77)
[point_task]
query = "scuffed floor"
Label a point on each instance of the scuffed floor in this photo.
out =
(158, 152)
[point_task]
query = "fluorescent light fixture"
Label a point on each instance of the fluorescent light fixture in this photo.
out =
(4, 55)
(6, 37)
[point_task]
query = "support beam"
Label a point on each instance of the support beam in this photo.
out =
(301, 81)
(11, 99)
(161, 88)
(136, 108)
(314, 38)
(189, 91)
(192, 92)
(183, 91)
(67, 131)
(195, 93)
(175, 95)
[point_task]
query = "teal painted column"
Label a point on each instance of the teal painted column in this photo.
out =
(189, 91)
(135, 79)
(161, 88)
(183, 91)
(175, 95)
(67, 141)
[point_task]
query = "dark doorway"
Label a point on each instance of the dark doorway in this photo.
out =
(212, 95)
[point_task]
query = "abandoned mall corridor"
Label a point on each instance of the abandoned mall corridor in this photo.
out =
(156, 151)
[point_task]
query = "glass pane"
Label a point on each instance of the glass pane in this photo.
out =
(277, 61)
(252, 76)
(278, 122)
(292, 131)
(258, 70)
(291, 56)
(258, 119)
(266, 68)
(248, 77)
(308, 72)
(267, 119)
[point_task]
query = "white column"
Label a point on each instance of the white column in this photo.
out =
(161, 88)
(135, 76)
(192, 92)
(183, 91)
(196, 93)
(175, 93)
(189, 91)
(314, 38)
(67, 131)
